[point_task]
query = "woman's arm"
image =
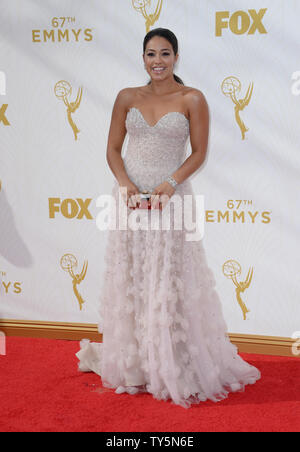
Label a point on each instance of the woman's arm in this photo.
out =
(116, 136)
(199, 131)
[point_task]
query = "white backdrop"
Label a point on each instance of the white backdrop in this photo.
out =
(51, 177)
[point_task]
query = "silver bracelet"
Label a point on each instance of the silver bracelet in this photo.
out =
(172, 181)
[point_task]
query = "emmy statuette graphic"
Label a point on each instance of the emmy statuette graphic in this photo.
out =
(63, 90)
(230, 87)
(150, 19)
(232, 269)
(68, 262)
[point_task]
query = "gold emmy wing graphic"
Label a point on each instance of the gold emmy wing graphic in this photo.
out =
(141, 5)
(68, 262)
(63, 90)
(230, 87)
(232, 269)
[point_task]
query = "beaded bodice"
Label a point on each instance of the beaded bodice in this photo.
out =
(154, 152)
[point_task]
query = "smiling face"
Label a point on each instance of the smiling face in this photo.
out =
(159, 58)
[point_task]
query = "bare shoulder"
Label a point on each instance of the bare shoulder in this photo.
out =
(195, 99)
(125, 96)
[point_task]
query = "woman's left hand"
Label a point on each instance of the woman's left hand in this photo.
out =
(162, 193)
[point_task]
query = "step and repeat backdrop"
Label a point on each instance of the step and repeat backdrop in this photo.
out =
(62, 64)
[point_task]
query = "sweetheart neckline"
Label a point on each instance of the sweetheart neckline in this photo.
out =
(166, 114)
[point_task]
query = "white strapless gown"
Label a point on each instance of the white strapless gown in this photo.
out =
(160, 315)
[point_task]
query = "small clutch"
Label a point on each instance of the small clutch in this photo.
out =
(145, 200)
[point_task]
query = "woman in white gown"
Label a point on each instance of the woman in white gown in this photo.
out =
(160, 315)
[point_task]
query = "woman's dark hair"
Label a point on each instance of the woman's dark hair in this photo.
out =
(167, 34)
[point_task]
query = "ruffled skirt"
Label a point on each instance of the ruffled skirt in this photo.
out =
(161, 319)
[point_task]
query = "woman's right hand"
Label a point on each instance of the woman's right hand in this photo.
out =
(132, 199)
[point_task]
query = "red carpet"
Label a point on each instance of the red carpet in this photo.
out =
(42, 391)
